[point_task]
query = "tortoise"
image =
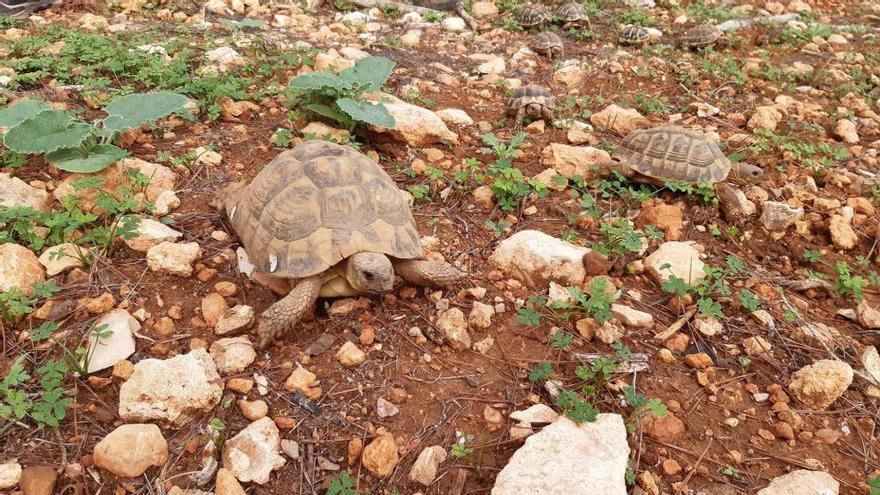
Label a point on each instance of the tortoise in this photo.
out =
(23, 8)
(332, 222)
(533, 101)
(573, 14)
(673, 153)
(549, 44)
(634, 35)
(532, 16)
(457, 6)
(702, 35)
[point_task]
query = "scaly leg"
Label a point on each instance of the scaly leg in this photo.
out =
(282, 316)
(468, 19)
(428, 272)
(520, 115)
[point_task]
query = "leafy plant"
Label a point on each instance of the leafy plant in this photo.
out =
(598, 304)
(77, 146)
(340, 96)
(848, 284)
(46, 405)
(461, 449)
(812, 255)
(342, 485)
(510, 184)
(622, 238)
(541, 372)
(874, 485)
(14, 304)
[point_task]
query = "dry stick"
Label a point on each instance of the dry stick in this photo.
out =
(694, 470)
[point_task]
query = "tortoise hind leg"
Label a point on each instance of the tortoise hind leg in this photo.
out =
(282, 316)
(428, 272)
(468, 19)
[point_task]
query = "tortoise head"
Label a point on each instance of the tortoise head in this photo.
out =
(226, 197)
(535, 110)
(370, 272)
(745, 171)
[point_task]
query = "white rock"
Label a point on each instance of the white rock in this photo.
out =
(234, 319)
(233, 355)
(845, 129)
(489, 64)
(19, 268)
(481, 315)
(570, 161)
(536, 415)
(424, 470)
(150, 233)
(355, 18)
(129, 450)
(63, 257)
(631, 317)
(253, 454)
(765, 118)
(10, 472)
(166, 203)
(541, 257)
(385, 409)
(455, 24)
(802, 482)
(224, 57)
(173, 258)
(683, 260)
(414, 125)
(871, 363)
(172, 391)
(454, 116)
(819, 384)
(779, 216)
(640, 4)
(15, 192)
(453, 325)
(618, 119)
(566, 458)
(116, 340)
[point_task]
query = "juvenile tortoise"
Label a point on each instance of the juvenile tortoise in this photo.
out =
(532, 16)
(549, 44)
(634, 35)
(697, 36)
(532, 101)
(573, 14)
(332, 222)
(673, 153)
(457, 6)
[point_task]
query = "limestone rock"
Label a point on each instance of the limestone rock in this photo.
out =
(632, 318)
(538, 414)
(845, 129)
(416, 126)
(424, 470)
(19, 268)
(10, 472)
(481, 315)
(667, 429)
(172, 391)
(213, 308)
(63, 257)
(454, 116)
(233, 355)
(15, 192)
(150, 233)
(539, 257)
(568, 458)
(683, 261)
(305, 382)
(570, 161)
(114, 177)
(253, 453)
(131, 449)
(226, 484)
(842, 233)
(819, 384)
(453, 325)
(174, 258)
(113, 341)
(868, 317)
(38, 480)
(235, 319)
(351, 355)
(380, 456)
(618, 119)
(802, 482)
(779, 216)
(667, 218)
(765, 118)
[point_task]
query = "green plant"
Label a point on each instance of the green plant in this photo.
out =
(342, 485)
(14, 304)
(541, 372)
(812, 256)
(561, 339)
(461, 449)
(340, 96)
(598, 304)
(704, 191)
(749, 300)
(848, 284)
(510, 185)
(636, 16)
(74, 145)
(874, 485)
(622, 238)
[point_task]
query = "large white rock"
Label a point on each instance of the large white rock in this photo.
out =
(161, 179)
(174, 258)
(802, 482)
(570, 161)
(680, 259)
(254, 453)
(615, 118)
(454, 116)
(414, 125)
(540, 257)
(566, 458)
(424, 470)
(172, 391)
(63, 257)
(15, 192)
(233, 355)
(10, 472)
(130, 450)
(819, 384)
(112, 340)
(19, 268)
(150, 233)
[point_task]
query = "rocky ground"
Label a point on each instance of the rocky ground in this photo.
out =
(611, 337)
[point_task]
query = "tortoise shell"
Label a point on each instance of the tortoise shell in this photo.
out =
(573, 13)
(317, 204)
(446, 5)
(673, 153)
(634, 35)
(529, 94)
(532, 15)
(547, 42)
(702, 35)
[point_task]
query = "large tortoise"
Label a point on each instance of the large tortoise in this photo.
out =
(673, 153)
(334, 223)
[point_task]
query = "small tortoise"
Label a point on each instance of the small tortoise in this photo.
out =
(532, 16)
(634, 35)
(549, 44)
(702, 35)
(456, 6)
(573, 14)
(332, 222)
(532, 101)
(673, 153)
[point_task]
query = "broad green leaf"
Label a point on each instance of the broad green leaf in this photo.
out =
(315, 81)
(370, 73)
(129, 111)
(330, 113)
(47, 131)
(21, 110)
(364, 111)
(85, 162)
(247, 22)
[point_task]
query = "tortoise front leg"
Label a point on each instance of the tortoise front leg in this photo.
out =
(547, 115)
(520, 116)
(282, 316)
(468, 19)
(428, 272)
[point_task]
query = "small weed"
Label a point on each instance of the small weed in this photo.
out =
(342, 485)
(541, 372)
(812, 255)
(874, 485)
(848, 284)
(622, 238)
